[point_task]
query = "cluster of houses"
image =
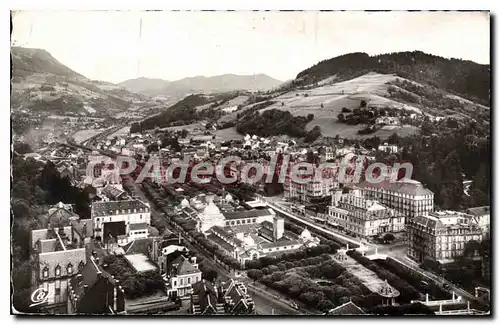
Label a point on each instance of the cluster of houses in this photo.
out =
(242, 234)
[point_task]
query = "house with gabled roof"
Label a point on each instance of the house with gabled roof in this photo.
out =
(236, 298)
(94, 291)
(205, 299)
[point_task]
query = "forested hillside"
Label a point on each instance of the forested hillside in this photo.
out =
(465, 78)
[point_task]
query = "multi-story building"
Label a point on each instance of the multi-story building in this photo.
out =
(408, 197)
(58, 253)
(180, 276)
(361, 216)
(441, 236)
(390, 148)
(121, 221)
(320, 185)
(482, 215)
(229, 298)
(94, 291)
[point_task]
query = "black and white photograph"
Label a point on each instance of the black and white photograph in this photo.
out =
(250, 163)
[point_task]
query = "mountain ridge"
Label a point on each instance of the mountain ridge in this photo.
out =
(201, 84)
(466, 78)
(41, 83)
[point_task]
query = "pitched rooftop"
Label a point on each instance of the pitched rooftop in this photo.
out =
(118, 207)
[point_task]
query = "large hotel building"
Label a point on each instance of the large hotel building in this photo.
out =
(408, 197)
(441, 236)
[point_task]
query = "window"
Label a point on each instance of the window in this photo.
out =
(175, 283)
(80, 266)
(45, 272)
(58, 270)
(58, 291)
(182, 281)
(70, 269)
(189, 280)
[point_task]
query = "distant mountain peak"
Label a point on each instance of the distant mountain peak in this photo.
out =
(202, 84)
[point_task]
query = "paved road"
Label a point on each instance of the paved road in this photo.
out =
(266, 304)
(278, 207)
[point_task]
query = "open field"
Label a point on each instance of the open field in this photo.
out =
(233, 102)
(83, 135)
(121, 132)
(330, 127)
(189, 127)
(227, 134)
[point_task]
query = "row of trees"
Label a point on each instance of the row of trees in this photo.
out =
(306, 256)
(406, 291)
(415, 279)
(337, 286)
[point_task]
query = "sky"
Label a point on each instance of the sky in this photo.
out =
(115, 46)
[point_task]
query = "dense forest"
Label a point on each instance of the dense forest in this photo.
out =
(465, 78)
(443, 156)
(276, 122)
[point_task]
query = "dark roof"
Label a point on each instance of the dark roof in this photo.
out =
(138, 246)
(479, 211)
(247, 214)
(267, 224)
(184, 266)
(219, 241)
(405, 186)
(114, 229)
(279, 243)
(138, 226)
(204, 294)
(89, 275)
(236, 292)
(112, 192)
(110, 207)
(228, 236)
(348, 308)
(266, 232)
